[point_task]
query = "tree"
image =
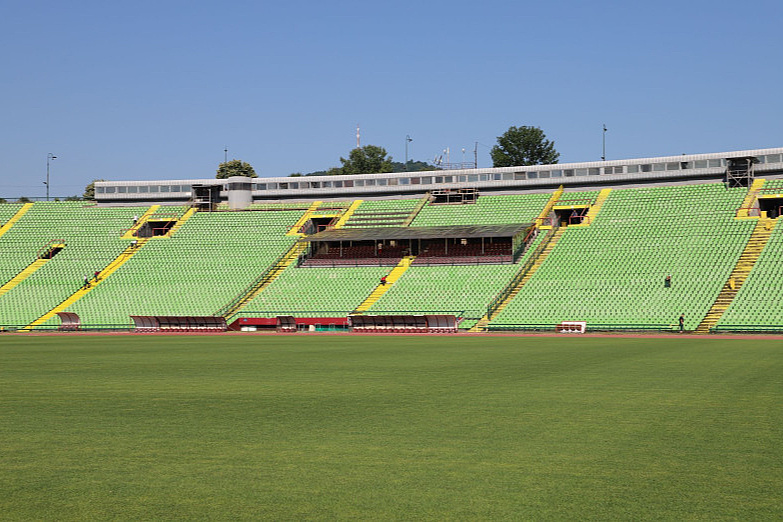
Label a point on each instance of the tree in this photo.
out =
(235, 167)
(89, 190)
(397, 166)
(24, 199)
(413, 166)
(369, 159)
(73, 198)
(523, 146)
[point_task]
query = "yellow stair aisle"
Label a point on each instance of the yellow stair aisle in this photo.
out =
(294, 231)
(548, 207)
(118, 261)
(513, 289)
(595, 208)
(24, 274)
(348, 213)
(381, 289)
(747, 260)
(415, 212)
(19, 213)
(753, 192)
(181, 221)
(131, 233)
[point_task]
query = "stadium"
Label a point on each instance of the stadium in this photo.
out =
(373, 261)
(471, 344)
(599, 246)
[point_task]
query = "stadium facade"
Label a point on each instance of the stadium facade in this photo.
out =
(242, 191)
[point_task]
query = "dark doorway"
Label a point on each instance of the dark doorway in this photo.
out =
(156, 227)
(772, 206)
(571, 216)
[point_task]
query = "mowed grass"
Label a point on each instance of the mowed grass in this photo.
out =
(328, 427)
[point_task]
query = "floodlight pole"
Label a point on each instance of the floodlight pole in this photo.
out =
(603, 156)
(49, 157)
(407, 140)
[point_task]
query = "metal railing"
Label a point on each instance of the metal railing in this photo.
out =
(98, 327)
(500, 297)
(759, 328)
(459, 314)
(419, 261)
(45, 252)
(752, 211)
(596, 327)
(230, 308)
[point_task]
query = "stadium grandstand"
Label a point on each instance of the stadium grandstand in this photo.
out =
(612, 245)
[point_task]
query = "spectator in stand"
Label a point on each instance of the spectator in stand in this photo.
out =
(383, 280)
(86, 282)
(96, 275)
(682, 322)
(667, 283)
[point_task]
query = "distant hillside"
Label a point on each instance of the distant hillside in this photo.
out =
(397, 166)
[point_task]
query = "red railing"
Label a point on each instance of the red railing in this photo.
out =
(46, 252)
(576, 202)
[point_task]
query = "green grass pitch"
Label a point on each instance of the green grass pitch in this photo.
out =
(338, 427)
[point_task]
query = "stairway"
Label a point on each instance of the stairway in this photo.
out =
(750, 198)
(181, 221)
(264, 280)
(294, 230)
(381, 289)
(19, 213)
(370, 219)
(131, 233)
(415, 212)
(522, 277)
(549, 206)
(754, 247)
(24, 274)
(348, 213)
(595, 208)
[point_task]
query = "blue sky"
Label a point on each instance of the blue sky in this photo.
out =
(147, 90)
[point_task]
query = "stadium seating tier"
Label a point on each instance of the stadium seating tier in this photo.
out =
(610, 271)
